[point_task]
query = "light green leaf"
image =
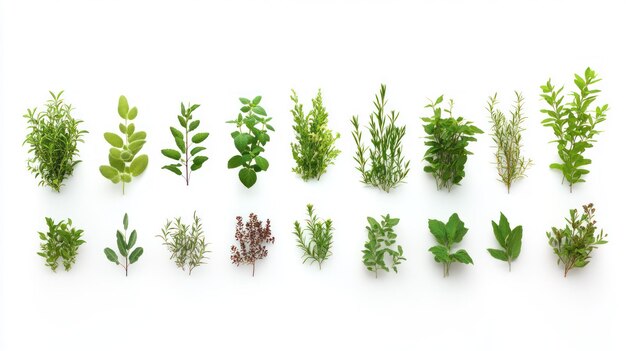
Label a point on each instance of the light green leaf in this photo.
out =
(138, 165)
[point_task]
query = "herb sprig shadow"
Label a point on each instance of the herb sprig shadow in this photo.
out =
(250, 142)
(320, 237)
(574, 126)
(315, 149)
(252, 239)
(124, 246)
(186, 156)
(381, 165)
(53, 139)
(447, 235)
(447, 140)
(380, 240)
(509, 240)
(124, 163)
(60, 242)
(507, 135)
(574, 243)
(186, 243)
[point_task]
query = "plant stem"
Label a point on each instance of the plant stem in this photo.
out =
(253, 268)
(187, 152)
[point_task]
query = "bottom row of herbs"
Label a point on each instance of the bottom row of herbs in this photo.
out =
(188, 248)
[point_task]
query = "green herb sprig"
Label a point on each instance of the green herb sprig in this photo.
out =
(186, 243)
(184, 156)
(53, 139)
(124, 246)
(381, 165)
(250, 138)
(447, 235)
(507, 135)
(574, 123)
(320, 237)
(61, 241)
(315, 148)
(447, 140)
(510, 240)
(574, 243)
(380, 240)
(124, 163)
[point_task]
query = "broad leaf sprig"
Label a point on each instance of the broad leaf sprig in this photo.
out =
(381, 239)
(447, 235)
(510, 240)
(315, 148)
(574, 126)
(574, 243)
(381, 165)
(60, 242)
(53, 139)
(187, 154)
(124, 246)
(320, 237)
(186, 243)
(507, 135)
(124, 161)
(250, 138)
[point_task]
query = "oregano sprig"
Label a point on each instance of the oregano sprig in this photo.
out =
(124, 161)
(507, 135)
(320, 237)
(574, 123)
(381, 239)
(381, 165)
(53, 139)
(315, 148)
(447, 140)
(187, 154)
(447, 235)
(250, 138)
(60, 242)
(124, 246)
(510, 240)
(574, 243)
(252, 239)
(186, 243)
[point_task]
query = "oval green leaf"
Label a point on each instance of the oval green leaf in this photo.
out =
(139, 165)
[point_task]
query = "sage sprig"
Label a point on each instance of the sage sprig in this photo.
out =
(186, 156)
(574, 123)
(510, 240)
(447, 140)
(447, 235)
(381, 165)
(124, 163)
(250, 138)
(315, 248)
(124, 246)
(379, 245)
(60, 242)
(574, 243)
(53, 139)
(186, 243)
(507, 135)
(315, 148)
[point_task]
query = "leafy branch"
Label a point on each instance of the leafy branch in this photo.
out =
(61, 241)
(185, 153)
(380, 240)
(509, 240)
(447, 235)
(573, 125)
(186, 243)
(320, 237)
(124, 246)
(381, 165)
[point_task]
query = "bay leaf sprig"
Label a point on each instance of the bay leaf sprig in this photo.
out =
(381, 165)
(187, 156)
(574, 124)
(53, 137)
(124, 161)
(315, 239)
(510, 240)
(124, 246)
(250, 138)
(507, 136)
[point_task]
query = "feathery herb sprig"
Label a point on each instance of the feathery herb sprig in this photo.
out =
(186, 243)
(320, 237)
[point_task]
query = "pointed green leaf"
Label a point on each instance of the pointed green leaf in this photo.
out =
(134, 256)
(173, 154)
(498, 254)
(111, 255)
(198, 138)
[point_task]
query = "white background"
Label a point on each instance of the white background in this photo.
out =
(161, 53)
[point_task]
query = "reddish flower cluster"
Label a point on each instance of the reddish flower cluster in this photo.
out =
(252, 239)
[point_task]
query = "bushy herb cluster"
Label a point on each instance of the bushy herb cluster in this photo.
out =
(60, 242)
(186, 243)
(381, 239)
(252, 239)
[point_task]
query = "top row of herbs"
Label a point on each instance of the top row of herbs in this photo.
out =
(54, 135)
